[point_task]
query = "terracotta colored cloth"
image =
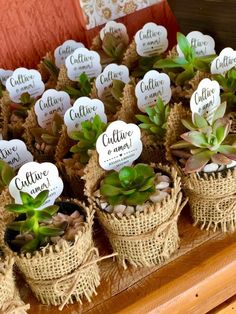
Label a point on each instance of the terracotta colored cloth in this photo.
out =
(30, 28)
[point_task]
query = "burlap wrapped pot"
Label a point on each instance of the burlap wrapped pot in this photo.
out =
(70, 171)
(142, 239)
(47, 77)
(131, 56)
(63, 80)
(65, 272)
(212, 197)
(39, 155)
(10, 302)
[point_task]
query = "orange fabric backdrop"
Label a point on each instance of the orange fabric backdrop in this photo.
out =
(30, 28)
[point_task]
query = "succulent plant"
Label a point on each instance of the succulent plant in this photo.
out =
(51, 67)
(87, 137)
(129, 186)
(83, 87)
(48, 137)
(183, 69)
(155, 120)
(228, 86)
(31, 219)
(206, 142)
(21, 109)
(113, 48)
(144, 64)
(6, 174)
(112, 96)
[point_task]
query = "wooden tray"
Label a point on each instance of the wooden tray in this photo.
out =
(200, 276)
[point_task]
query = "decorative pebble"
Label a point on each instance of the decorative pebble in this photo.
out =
(232, 164)
(163, 178)
(109, 209)
(103, 205)
(212, 167)
(162, 185)
(140, 208)
(129, 210)
(119, 208)
(158, 196)
(167, 190)
(222, 167)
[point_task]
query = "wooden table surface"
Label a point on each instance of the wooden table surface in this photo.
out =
(200, 276)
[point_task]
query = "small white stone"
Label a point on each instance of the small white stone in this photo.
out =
(163, 178)
(109, 209)
(103, 205)
(162, 185)
(212, 167)
(129, 210)
(167, 190)
(232, 164)
(140, 208)
(222, 167)
(158, 196)
(119, 208)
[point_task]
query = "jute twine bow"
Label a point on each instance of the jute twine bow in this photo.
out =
(166, 226)
(217, 201)
(74, 277)
(14, 306)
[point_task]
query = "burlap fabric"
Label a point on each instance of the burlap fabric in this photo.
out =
(232, 117)
(30, 123)
(10, 302)
(49, 80)
(211, 196)
(5, 216)
(66, 272)
(63, 80)
(70, 171)
(12, 127)
(131, 57)
(96, 43)
(142, 239)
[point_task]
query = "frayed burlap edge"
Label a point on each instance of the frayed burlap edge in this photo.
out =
(96, 43)
(63, 80)
(5, 114)
(232, 117)
(5, 216)
(141, 232)
(131, 56)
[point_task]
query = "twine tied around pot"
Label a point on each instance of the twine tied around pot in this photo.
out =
(15, 306)
(74, 277)
(155, 233)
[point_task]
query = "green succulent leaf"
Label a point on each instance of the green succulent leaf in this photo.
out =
(27, 199)
(15, 208)
(31, 245)
(184, 46)
(50, 231)
(195, 138)
(199, 121)
(198, 161)
(220, 111)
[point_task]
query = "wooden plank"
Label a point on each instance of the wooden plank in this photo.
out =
(213, 17)
(201, 266)
(228, 307)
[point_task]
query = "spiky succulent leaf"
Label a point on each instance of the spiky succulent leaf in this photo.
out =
(82, 88)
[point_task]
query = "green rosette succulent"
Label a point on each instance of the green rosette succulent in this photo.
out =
(112, 96)
(33, 220)
(129, 186)
(206, 142)
(51, 67)
(155, 121)
(6, 174)
(82, 88)
(87, 137)
(21, 109)
(183, 69)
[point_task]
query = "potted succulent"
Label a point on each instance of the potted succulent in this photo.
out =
(53, 248)
(153, 126)
(111, 49)
(10, 301)
(206, 158)
(13, 115)
(73, 152)
(48, 70)
(40, 141)
(185, 72)
(138, 207)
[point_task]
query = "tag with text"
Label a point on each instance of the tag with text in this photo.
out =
(206, 99)
(151, 40)
(224, 62)
(110, 73)
(65, 50)
(153, 85)
(34, 178)
(119, 145)
(117, 29)
(24, 81)
(81, 61)
(204, 45)
(83, 109)
(14, 153)
(4, 75)
(52, 101)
